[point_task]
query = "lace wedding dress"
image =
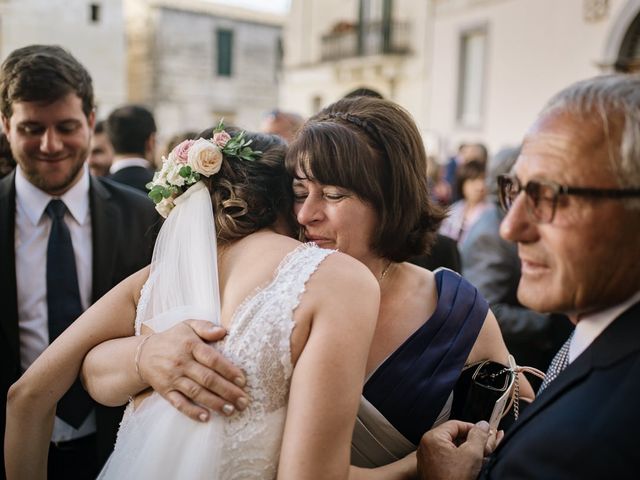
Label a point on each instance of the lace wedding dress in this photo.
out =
(155, 441)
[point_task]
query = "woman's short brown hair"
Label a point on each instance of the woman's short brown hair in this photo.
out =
(372, 147)
(248, 195)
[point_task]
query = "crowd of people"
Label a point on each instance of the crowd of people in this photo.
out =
(289, 317)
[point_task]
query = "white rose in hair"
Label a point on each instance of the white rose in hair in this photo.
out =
(173, 175)
(204, 157)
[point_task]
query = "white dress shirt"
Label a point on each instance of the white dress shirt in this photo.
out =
(31, 237)
(128, 162)
(591, 326)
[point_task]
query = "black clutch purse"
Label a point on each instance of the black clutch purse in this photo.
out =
(485, 391)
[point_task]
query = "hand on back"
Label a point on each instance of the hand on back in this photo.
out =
(191, 374)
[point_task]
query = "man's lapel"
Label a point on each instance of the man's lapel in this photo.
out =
(105, 220)
(617, 341)
(8, 290)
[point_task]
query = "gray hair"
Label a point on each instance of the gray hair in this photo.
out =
(501, 163)
(610, 97)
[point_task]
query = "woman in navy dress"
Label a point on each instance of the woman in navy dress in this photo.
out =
(359, 187)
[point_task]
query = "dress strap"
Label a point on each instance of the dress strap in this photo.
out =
(411, 387)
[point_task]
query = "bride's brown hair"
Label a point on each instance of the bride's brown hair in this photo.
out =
(248, 195)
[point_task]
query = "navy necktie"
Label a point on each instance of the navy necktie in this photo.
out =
(558, 364)
(64, 305)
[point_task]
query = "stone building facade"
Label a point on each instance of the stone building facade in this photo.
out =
(468, 70)
(92, 30)
(194, 62)
(190, 61)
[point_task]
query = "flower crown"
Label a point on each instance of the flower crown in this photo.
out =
(190, 160)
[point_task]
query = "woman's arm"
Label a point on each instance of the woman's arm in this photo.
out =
(31, 402)
(342, 300)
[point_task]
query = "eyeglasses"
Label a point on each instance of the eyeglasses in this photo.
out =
(542, 197)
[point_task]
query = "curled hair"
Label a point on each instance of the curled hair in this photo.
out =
(372, 147)
(614, 102)
(43, 73)
(248, 195)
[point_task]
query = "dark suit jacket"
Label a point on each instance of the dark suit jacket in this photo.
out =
(124, 224)
(136, 177)
(585, 424)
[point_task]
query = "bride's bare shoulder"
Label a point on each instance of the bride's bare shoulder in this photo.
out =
(341, 275)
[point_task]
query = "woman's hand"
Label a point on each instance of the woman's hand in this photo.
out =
(192, 375)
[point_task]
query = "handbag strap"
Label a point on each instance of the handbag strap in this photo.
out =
(514, 401)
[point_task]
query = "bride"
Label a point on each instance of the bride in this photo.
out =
(300, 320)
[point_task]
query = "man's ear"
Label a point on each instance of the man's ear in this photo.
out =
(92, 119)
(5, 125)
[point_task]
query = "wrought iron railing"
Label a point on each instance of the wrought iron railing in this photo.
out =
(375, 38)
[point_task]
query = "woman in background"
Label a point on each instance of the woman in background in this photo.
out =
(472, 204)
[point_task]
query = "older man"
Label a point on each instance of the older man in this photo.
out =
(574, 212)
(492, 265)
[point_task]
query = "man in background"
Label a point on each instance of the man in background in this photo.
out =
(573, 202)
(101, 152)
(66, 238)
(132, 132)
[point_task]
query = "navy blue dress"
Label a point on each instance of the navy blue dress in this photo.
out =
(408, 392)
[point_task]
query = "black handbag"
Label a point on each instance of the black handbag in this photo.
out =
(487, 390)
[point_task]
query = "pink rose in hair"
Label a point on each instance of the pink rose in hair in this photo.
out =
(180, 152)
(221, 138)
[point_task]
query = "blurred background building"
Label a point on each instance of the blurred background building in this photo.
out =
(190, 61)
(94, 32)
(194, 62)
(468, 70)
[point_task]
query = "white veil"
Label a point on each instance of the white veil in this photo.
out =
(156, 441)
(183, 280)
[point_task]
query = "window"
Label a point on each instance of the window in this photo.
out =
(374, 35)
(224, 41)
(371, 10)
(471, 78)
(94, 13)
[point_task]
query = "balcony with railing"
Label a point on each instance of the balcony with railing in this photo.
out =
(348, 40)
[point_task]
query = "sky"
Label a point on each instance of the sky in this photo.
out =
(275, 6)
